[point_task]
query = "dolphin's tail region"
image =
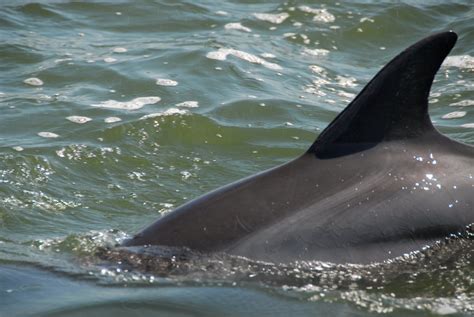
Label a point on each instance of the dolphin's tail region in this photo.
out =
(393, 105)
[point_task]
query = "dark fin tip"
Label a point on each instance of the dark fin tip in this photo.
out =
(393, 105)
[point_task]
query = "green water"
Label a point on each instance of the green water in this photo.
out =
(84, 163)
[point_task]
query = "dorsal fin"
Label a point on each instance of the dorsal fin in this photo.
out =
(393, 105)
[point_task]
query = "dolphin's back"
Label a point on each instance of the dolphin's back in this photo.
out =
(378, 182)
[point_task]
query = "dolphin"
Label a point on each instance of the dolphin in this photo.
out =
(379, 182)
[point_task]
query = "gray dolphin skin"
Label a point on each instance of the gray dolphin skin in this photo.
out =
(380, 181)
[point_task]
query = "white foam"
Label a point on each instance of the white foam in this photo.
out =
(362, 20)
(316, 52)
(79, 119)
(463, 103)
(445, 309)
(272, 18)
(112, 119)
(119, 50)
(168, 112)
(185, 174)
(468, 125)
(454, 115)
(18, 148)
(318, 70)
(134, 104)
(320, 15)
(166, 82)
(188, 104)
(346, 94)
(460, 61)
(45, 134)
(223, 13)
(110, 59)
(237, 26)
(33, 81)
(346, 81)
(60, 60)
(268, 55)
(222, 53)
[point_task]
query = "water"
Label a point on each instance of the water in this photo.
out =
(113, 113)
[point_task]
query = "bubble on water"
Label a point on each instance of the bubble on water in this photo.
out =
(112, 119)
(188, 104)
(18, 148)
(237, 26)
(79, 119)
(119, 50)
(134, 104)
(222, 53)
(166, 82)
(272, 18)
(45, 134)
(223, 13)
(454, 115)
(33, 81)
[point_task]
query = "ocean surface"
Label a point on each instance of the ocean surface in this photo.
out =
(113, 113)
